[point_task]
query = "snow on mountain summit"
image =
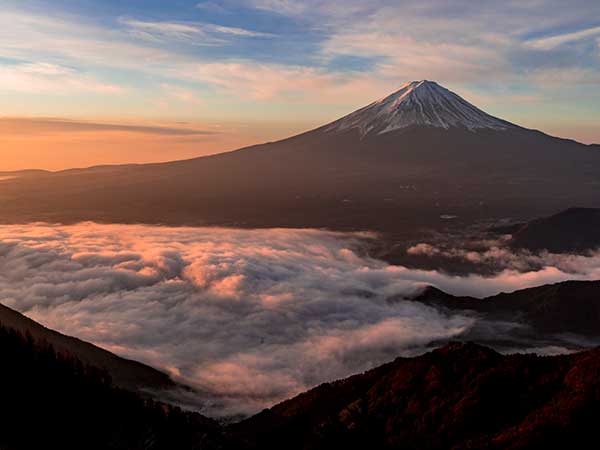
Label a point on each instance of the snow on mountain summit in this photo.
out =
(418, 103)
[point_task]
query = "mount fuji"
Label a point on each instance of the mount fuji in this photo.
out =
(419, 103)
(411, 160)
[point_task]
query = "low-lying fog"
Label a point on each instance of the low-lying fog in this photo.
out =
(249, 317)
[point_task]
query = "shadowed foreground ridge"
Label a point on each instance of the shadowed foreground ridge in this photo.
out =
(51, 400)
(461, 396)
(124, 373)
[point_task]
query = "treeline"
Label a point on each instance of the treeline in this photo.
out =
(462, 396)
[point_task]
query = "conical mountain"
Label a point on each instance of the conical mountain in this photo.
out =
(397, 164)
(418, 103)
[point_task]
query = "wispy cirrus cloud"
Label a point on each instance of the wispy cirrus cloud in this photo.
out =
(159, 31)
(550, 42)
(213, 7)
(236, 31)
(33, 126)
(193, 33)
(69, 43)
(270, 81)
(173, 91)
(288, 7)
(32, 77)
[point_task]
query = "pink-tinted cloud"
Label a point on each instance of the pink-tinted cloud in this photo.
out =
(248, 317)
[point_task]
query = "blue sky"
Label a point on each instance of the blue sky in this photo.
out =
(288, 65)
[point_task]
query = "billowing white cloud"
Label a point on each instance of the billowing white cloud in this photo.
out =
(248, 317)
(496, 254)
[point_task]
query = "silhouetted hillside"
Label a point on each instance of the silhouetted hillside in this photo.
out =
(125, 373)
(571, 231)
(462, 396)
(52, 400)
(568, 307)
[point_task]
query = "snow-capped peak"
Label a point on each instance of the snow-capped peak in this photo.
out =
(418, 103)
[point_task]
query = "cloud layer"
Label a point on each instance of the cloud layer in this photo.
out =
(248, 317)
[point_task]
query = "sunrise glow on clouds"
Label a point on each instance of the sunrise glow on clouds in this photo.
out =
(284, 66)
(248, 317)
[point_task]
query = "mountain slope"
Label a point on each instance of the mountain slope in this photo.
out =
(54, 401)
(124, 373)
(567, 307)
(570, 231)
(424, 154)
(461, 396)
(418, 103)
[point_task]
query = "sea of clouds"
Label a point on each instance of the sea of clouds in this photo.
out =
(248, 317)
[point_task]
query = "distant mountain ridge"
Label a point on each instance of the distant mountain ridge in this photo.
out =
(571, 231)
(571, 307)
(396, 165)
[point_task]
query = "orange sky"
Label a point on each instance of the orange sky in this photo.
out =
(40, 144)
(249, 66)
(55, 144)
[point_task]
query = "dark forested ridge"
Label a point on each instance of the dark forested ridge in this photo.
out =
(571, 231)
(462, 396)
(569, 307)
(51, 400)
(125, 373)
